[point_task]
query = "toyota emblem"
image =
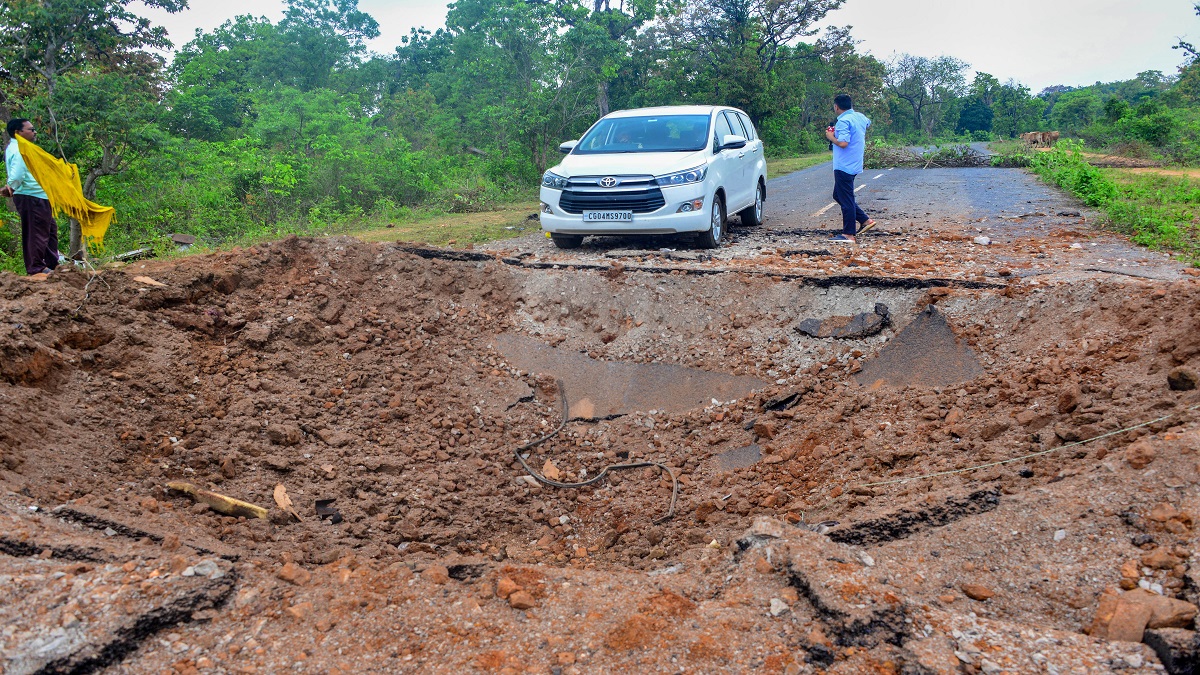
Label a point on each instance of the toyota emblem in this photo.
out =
(609, 182)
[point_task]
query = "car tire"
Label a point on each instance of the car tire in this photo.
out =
(753, 216)
(716, 225)
(567, 240)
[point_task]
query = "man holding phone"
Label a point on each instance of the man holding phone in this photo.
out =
(848, 140)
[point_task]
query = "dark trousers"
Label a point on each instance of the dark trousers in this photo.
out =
(843, 194)
(39, 233)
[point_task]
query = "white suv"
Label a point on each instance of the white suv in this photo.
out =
(657, 171)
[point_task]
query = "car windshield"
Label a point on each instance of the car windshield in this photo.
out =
(660, 133)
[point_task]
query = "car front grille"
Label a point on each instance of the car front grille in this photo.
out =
(638, 201)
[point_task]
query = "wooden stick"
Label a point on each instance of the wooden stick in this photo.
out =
(219, 502)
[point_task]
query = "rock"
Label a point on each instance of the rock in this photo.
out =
(228, 467)
(766, 527)
(1178, 649)
(955, 416)
(994, 427)
(778, 607)
(1131, 570)
(257, 334)
(1068, 398)
(765, 429)
(1162, 512)
(1160, 559)
(1032, 419)
(1128, 621)
(506, 587)
(284, 434)
(206, 568)
(1164, 612)
(521, 600)
(336, 439)
(299, 610)
(977, 592)
(1139, 454)
(293, 573)
(550, 470)
(982, 241)
(1183, 379)
(947, 598)
(437, 574)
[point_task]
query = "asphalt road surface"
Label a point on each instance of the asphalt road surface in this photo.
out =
(917, 210)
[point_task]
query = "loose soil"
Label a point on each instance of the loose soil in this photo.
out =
(398, 380)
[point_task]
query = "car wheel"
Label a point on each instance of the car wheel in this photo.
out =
(716, 226)
(753, 216)
(567, 240)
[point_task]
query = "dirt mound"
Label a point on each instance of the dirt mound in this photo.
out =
(370, 376)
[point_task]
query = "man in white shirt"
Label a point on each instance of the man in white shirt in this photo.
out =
(39, 229)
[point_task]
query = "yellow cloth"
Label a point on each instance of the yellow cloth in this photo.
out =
(60, 180)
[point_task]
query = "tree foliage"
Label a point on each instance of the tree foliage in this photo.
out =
(270, 122)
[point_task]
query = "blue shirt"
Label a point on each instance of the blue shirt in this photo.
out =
(19, 179)
(851, 128)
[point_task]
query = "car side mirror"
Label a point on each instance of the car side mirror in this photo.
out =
(567, 147)
(733, 142)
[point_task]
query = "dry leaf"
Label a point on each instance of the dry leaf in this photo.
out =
(549, 470)
(284, 502)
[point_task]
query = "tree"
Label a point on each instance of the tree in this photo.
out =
(1016, 110)
(52, 39)
(926, 85)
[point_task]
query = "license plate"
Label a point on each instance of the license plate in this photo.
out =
(608, 216)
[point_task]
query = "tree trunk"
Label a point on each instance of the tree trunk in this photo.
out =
(602, 98)
(76, 248)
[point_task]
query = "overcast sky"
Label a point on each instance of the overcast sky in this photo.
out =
(1038, 42)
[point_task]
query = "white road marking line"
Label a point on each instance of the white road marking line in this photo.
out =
(877, 177)
(890, 168)
(859, 187)
(822, 211)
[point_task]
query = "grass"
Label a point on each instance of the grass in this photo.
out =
(782, 166)
(1158, 211)
(1155, 210)
(458, 229)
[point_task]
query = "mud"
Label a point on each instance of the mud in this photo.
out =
(398, 384)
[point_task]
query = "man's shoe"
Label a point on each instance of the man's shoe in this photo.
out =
(844, 239)
(866, 226)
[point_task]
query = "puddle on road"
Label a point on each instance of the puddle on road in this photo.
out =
(926, 353)
(598, 389)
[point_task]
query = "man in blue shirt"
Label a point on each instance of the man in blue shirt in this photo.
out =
(848, 138)
(39, 229)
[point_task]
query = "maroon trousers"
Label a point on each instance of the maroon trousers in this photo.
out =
(39, 233)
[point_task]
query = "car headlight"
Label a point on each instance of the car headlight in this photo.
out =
(555, 181)
(695, 175)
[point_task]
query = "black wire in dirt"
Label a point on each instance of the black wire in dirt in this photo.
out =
(562, 392)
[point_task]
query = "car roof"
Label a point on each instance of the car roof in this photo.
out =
(671, 110)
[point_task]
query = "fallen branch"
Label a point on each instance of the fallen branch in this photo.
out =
(219, 502)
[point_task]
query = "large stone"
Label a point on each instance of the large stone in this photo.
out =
(1164, 612)
(1178, 649)
(993, 428)
(1139, 454)
(1128, 621)
(1068, 398)
(284, 434)
(858, 326)
(1183, 379)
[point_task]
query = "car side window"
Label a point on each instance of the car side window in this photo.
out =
(720, 130)
(735, 123)
(752, 134)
